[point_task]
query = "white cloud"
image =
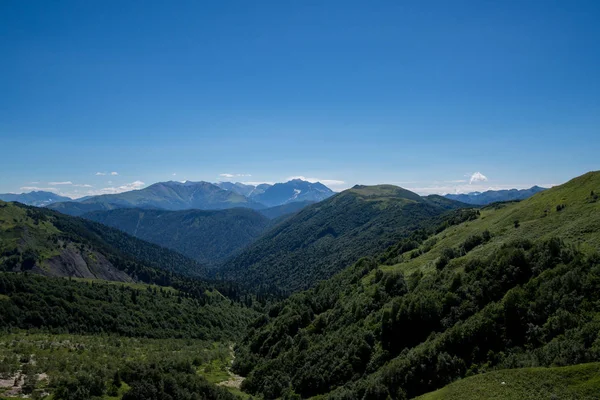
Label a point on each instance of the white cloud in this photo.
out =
(256, 183)
(100, 173)
(114, 173)
(174, 174)
(477, 177)
(60, 183)
(326, 182)
(120, 189)
(229, 176)
(106, 190)
(84, 185)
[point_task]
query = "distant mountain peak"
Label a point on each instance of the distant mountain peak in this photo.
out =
(38, 198)
(292, 191)
(492, 196)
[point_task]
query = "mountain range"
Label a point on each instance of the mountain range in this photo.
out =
(37, 198)
(492, 196)
(201, 196)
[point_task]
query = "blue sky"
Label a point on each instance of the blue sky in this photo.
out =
(422, 94)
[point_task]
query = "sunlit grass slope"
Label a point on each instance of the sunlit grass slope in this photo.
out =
(570, 211)
(579, 382)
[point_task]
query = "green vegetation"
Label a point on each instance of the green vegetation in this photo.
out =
(577, 382)
(326, 237)
(59, 305)
(533, 219)
(146, 299)
(52, 244)
(448, 298)
(75, 367)
(208, 237)
(445, 303)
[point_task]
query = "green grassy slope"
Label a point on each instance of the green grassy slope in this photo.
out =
(537, 218)
(577, 382)
(208, 237)
(328, 236)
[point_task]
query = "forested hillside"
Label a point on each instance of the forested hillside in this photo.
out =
(513, 285)
(118, 288)
(51, 243)
(208, 237)
(328, 236)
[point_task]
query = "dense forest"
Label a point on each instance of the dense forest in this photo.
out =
(59, 305)
(207, 236)
(373, 334)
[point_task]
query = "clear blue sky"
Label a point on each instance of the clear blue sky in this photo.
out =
(421, 94)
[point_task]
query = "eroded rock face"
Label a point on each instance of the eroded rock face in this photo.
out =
(78, 263)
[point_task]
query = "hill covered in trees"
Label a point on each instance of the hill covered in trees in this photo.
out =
(512, 286)
(118, 288)
(49, 243)
(328, 236)
(207, 236)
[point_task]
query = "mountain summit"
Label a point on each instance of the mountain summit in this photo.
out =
(293, 191)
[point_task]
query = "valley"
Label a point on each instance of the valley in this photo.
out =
(375, 292)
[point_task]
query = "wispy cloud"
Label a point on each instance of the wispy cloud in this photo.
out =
(478, 177)
(118, 189)
(256, 183)
(60, 183)
(229, 176)
(114, 173)
(100, 173)
(333, 183)
(88, 190)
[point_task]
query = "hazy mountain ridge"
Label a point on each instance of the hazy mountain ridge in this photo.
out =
(35, 198)
(189, 195)
(492, 196)
(162, 195)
